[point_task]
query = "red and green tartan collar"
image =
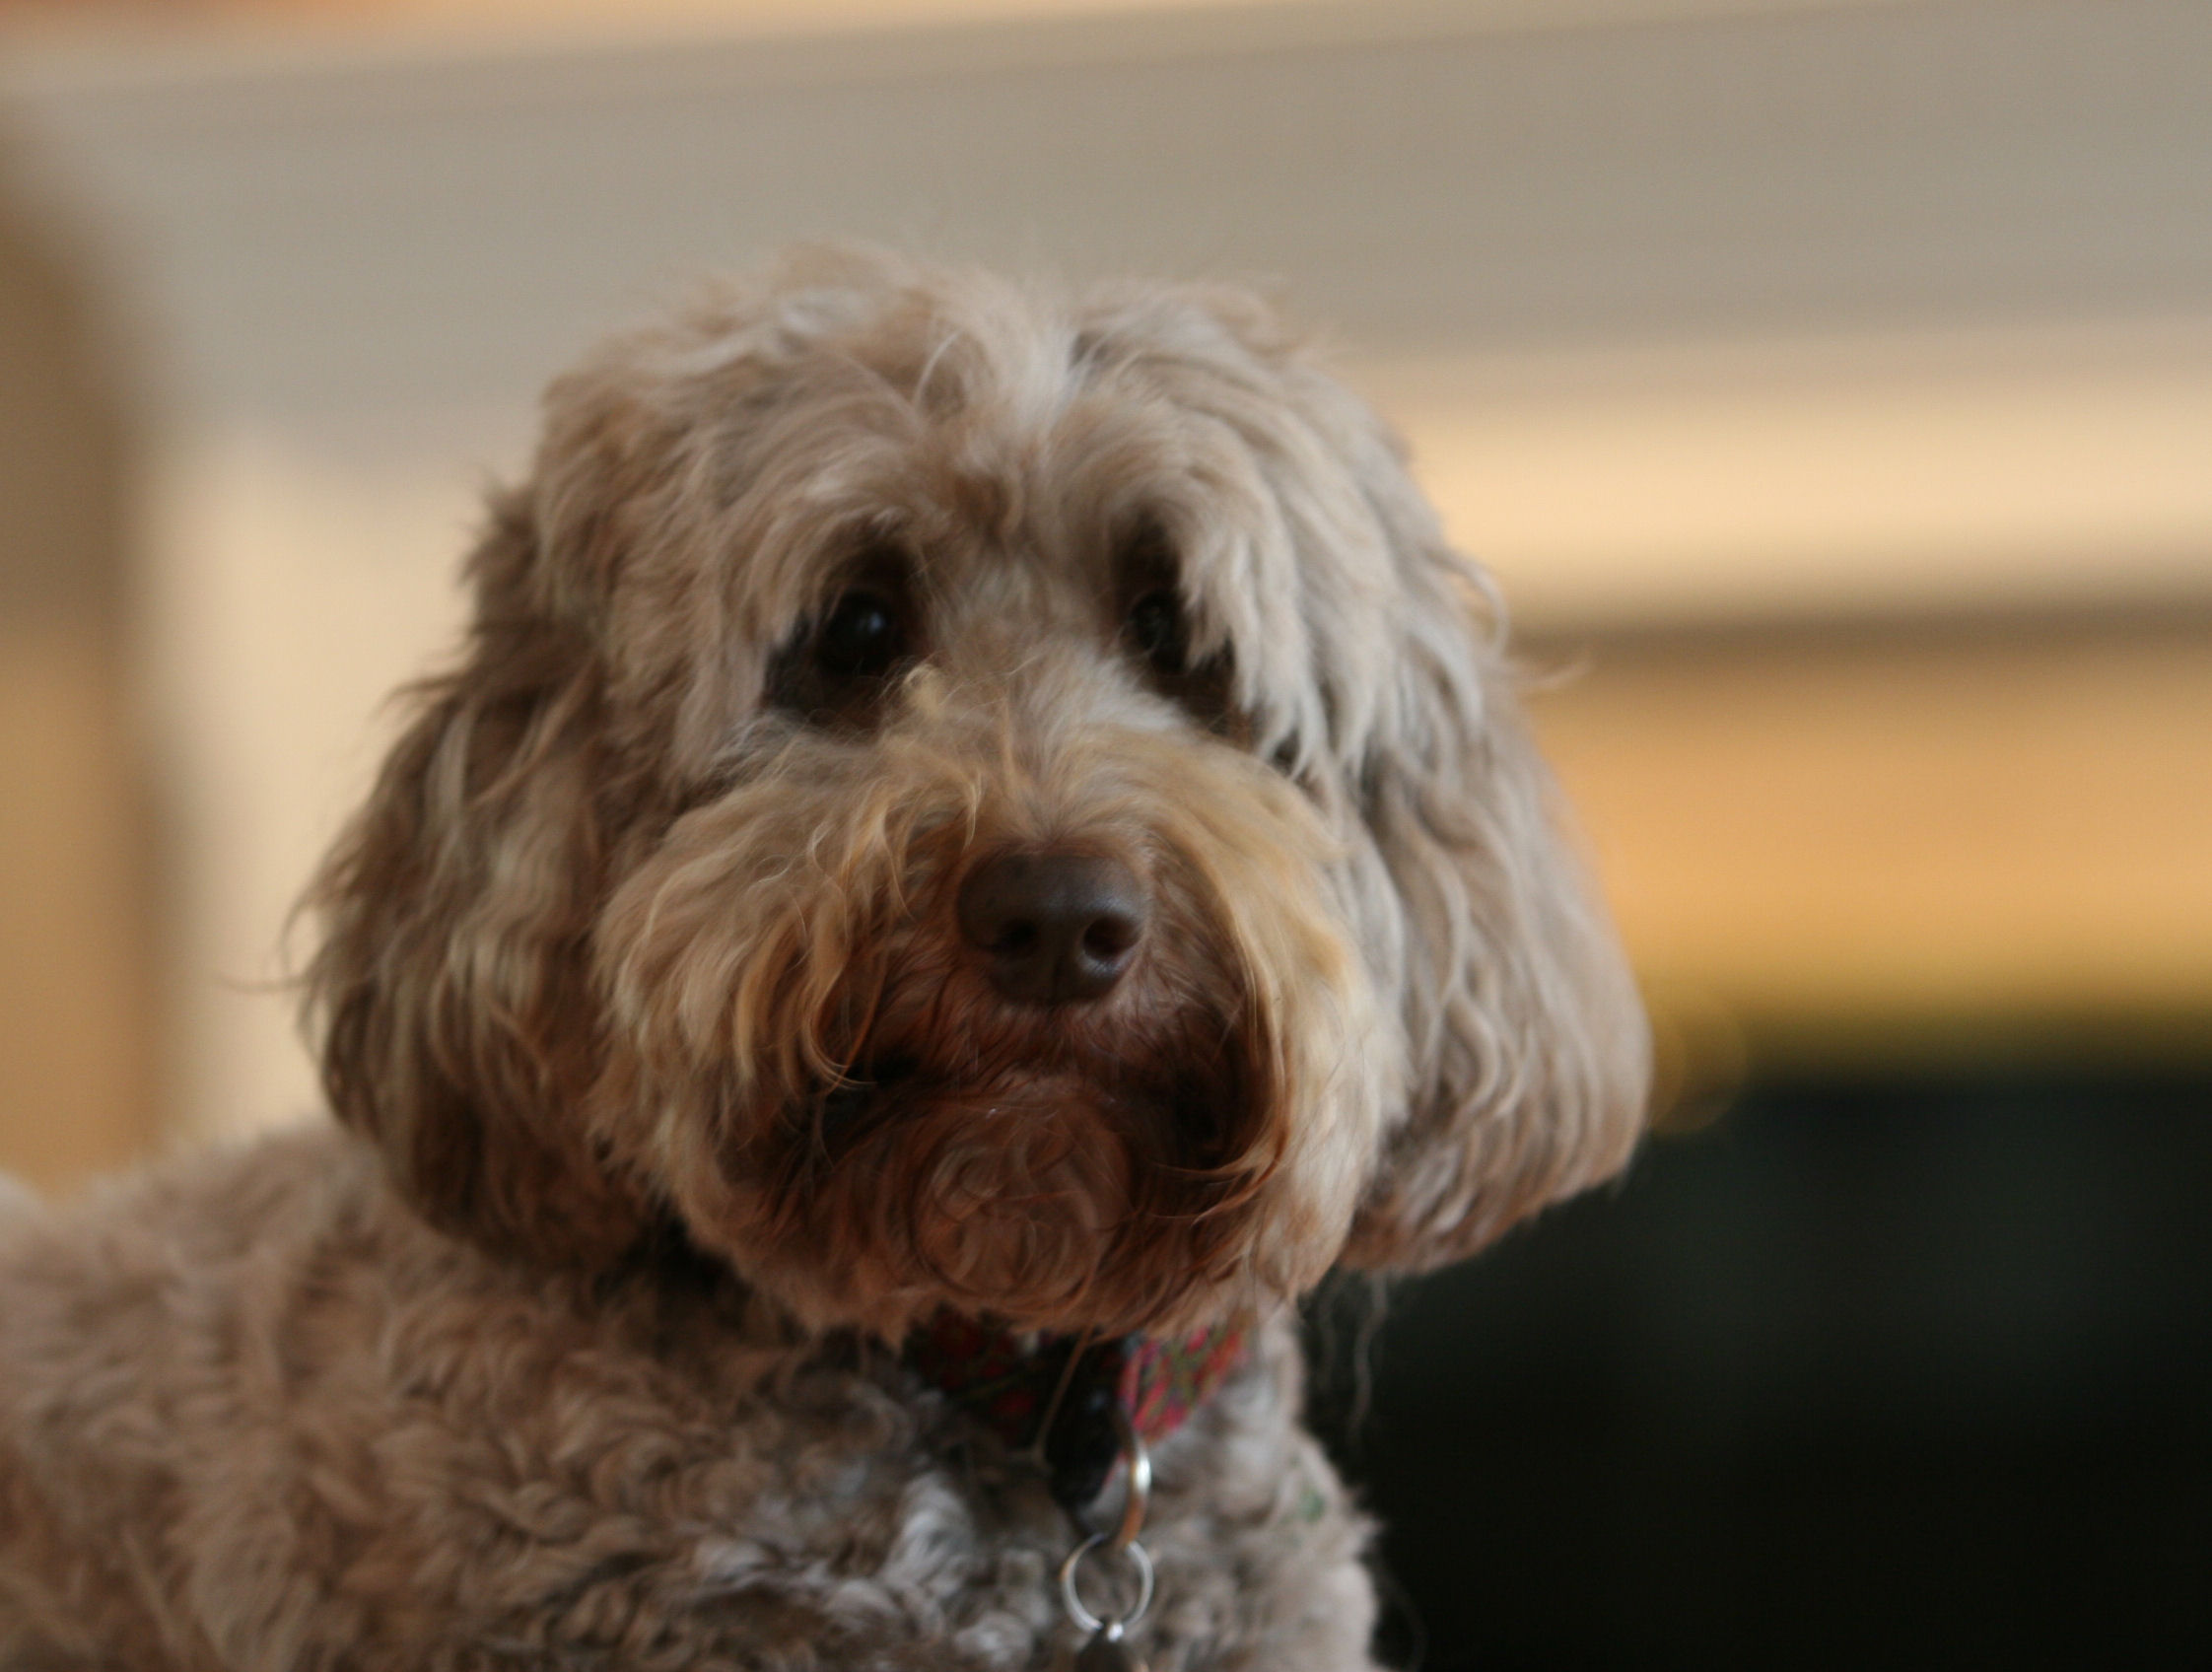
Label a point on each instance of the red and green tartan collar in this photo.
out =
(1017, 1382)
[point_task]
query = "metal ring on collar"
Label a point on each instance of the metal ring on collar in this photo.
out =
(1087, 1622)
(1137, 1493)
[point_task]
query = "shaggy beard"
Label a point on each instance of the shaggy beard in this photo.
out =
(1045, 1200)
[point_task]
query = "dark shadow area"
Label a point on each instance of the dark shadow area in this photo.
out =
(1886, 1373)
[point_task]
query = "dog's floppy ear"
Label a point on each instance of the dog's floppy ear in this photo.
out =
(452, 982)
(1529, 1048)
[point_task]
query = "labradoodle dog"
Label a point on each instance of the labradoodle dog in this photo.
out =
(978, 843)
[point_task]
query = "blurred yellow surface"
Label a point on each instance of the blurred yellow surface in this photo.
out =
(74, 1017)
(1875, 837)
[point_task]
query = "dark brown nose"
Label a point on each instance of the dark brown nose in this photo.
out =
(1054, 928)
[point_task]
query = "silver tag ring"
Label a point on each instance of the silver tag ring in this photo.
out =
(1086, 1621)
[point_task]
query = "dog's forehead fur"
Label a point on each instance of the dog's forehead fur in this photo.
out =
(1005, 438)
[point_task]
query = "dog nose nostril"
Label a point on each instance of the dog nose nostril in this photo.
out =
(1054, 928)
(1111, 936)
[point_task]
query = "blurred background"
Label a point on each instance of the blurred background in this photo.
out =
(1830, 386)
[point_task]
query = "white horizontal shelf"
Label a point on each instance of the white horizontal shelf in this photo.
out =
(1881, 475)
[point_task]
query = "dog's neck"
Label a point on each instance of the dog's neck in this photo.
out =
(1052, 1396)
(1056, 1395)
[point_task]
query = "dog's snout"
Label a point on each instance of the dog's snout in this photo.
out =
(1054, 928)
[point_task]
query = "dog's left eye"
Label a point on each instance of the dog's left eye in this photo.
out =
(863, 637)
(1157, 629)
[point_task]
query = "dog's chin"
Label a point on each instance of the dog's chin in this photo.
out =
(1045, 1200)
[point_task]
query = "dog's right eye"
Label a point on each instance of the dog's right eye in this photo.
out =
(836, 671)
(863, 637)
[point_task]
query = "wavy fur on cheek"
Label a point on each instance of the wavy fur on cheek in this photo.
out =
(807, 1067)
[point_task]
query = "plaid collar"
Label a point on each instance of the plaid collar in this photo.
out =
(1015, 1383)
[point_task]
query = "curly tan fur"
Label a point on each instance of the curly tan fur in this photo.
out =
(675, 1092)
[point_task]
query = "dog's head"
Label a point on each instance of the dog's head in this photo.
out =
(960, 797)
